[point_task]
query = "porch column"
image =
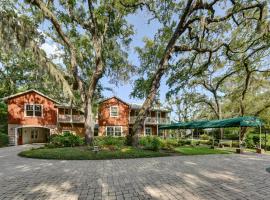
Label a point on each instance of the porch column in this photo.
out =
(260, 136)
(16, 136)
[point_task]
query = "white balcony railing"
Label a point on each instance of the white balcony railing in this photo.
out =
(152, 120)
(71, 118)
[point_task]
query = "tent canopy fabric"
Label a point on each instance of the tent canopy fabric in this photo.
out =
(247, 121)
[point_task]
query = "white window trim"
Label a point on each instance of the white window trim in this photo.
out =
(149, 128)
(111, 111)
(33, 104)
(66, 130)
(114, 131)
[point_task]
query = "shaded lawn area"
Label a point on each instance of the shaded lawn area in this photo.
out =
(200, 150)
(246, 150)
(84, 153)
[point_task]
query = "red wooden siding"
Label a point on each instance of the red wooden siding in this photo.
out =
(104, 118)
(16, 106)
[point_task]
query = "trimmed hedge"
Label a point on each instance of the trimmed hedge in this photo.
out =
(3, 140)
(108, 141)
(65, 140)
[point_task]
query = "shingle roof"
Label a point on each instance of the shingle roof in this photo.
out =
(27, 91)
(138, 106)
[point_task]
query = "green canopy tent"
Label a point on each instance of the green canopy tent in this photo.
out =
(247, 121)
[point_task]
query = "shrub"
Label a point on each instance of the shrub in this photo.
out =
(66, 140)
(3, 140)
(205, 142)
(156, 144)
(204, 137)
(151, 143)
(129, 140)
(256, 139)
(249, 142)
(184, 142)
(195, 142)
(144, 141)
(235, 143)
(50, 146)
(231, 136)
(110, 141)
(169, 143)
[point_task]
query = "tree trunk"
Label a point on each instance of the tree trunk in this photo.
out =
(89, 115)
(89, 123)
(161, 68)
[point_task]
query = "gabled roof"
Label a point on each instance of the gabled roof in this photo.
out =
(137, 106)
(115, 98)
(28, 91)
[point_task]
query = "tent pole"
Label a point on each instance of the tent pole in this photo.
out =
(240, 138)
(213, 141)
(192, 137)
(260, 136)
(265, 140)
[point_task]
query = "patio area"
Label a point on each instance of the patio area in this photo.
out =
(229, 176)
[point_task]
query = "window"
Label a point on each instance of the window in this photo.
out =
(114, 111)
(29, 110)
(114, 130)
(34, 134)
(38, 110)
(33, 110)
(148, 131)
(110, 130)
(117, 131)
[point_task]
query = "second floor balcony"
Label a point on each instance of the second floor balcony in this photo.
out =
(71, 118)
(152, 120)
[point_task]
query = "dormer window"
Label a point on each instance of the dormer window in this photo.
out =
(33, 110)
(114, 111)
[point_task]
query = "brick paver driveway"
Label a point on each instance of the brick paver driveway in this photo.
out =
(183, 177)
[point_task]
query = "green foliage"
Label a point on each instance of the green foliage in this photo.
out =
(169, 143)
(129, 140)
(3, 139)
(184, 142)
(83, 153)
(151, 142)
(235, 144)
(66, 140)
(141, 88)
(156, 144)
(108, 141)
(199, 150)
(256, 139)
(231, 136)
(3, 118)
(249, 141)
(204, 137)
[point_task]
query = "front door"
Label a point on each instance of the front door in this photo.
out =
(20, 138)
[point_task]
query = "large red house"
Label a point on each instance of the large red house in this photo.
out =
(33, 117)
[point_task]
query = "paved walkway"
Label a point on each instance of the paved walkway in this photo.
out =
(183, 177)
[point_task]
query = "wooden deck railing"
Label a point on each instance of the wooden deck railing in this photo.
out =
(152, 120)
(71, 118)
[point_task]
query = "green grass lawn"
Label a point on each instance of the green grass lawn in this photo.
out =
(84, 153)
(200, 150)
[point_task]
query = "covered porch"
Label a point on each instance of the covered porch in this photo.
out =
(29, 135)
